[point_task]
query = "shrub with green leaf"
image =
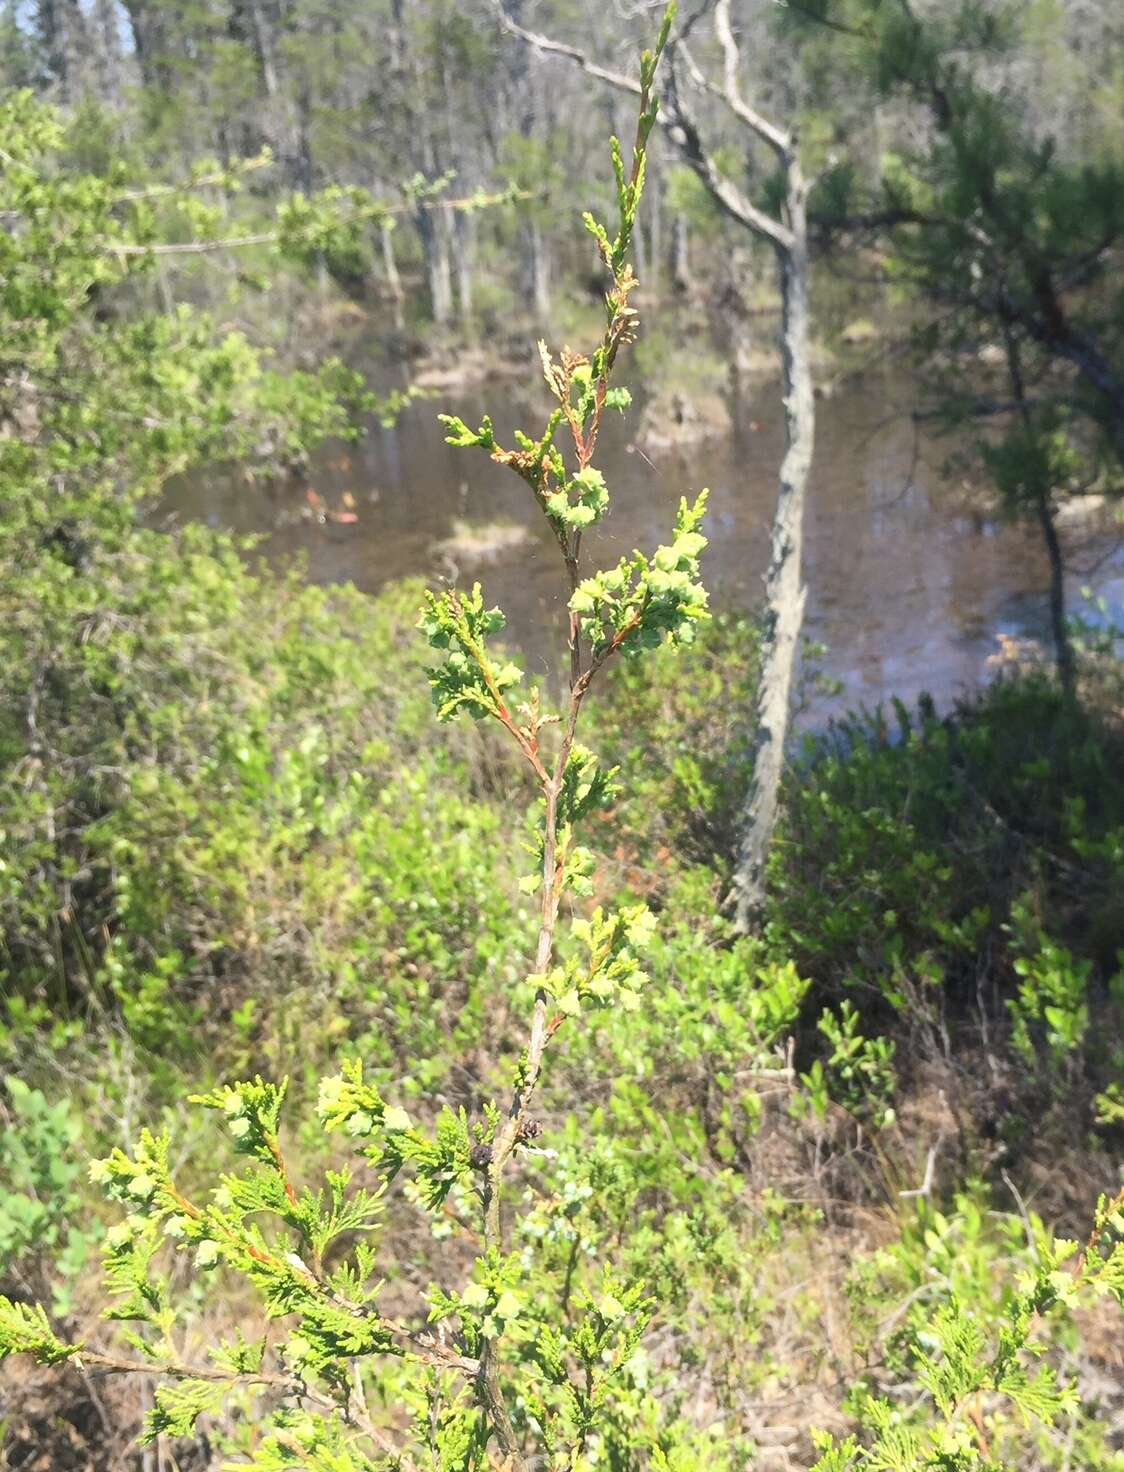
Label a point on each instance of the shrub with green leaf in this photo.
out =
(923, 866)
(45, 1237)
(205, 809)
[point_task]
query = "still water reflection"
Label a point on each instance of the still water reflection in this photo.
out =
(906, 588)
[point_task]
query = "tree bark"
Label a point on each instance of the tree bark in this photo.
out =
(390, 270)
(680, 254)
(62, 27)
(1044, 512)
(1059, 626)
(434, 233)
(464, 234)
(539, 266)
(784, 583)
(251, 25)
(108, 51)
(150, 42)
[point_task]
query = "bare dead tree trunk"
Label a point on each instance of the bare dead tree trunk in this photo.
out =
(390, 270)
(656, 233)
(539, 265)
(784, 583)
(433, 229)
(680, 254)
(108, 51)
(464, 231)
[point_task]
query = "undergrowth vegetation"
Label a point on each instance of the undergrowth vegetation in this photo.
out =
(565, 1174)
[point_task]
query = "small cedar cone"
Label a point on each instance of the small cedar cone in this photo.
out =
(480, 1157)
(530, 1129)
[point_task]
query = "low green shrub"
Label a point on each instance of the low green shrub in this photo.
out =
(230, 813)
(901, 855)
(46, 1238)
(963, 868)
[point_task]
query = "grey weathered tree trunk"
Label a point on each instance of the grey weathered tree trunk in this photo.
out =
(539, 271)
(108, 50)
(680, 254)
(783, 621)
(464, 232)
(248, 27)
(254, 24)
(62, 27)
(149, 26)
(433, 228)
(784, 582)
(390, 271)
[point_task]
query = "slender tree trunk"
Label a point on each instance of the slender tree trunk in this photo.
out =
(433, 229)
(1051, 327)
(539, 266)
(62, 28)
(390, 270)
(49, 23)
(108, 50)
(464, 234)
(1059, 626)
(1044, 512)
(654, 194)
(258, 32)
(251, 28)
(303, 162)
(680, 255)
(784, 583)
(150, 42)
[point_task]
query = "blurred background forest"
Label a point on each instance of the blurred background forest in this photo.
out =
(465, 150)
(423, 96)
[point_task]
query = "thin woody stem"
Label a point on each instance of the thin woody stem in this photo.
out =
(282, 1169)
(287, 1384)
(423, 1346)
(272, 237)
(536, 474)
(526, 744)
